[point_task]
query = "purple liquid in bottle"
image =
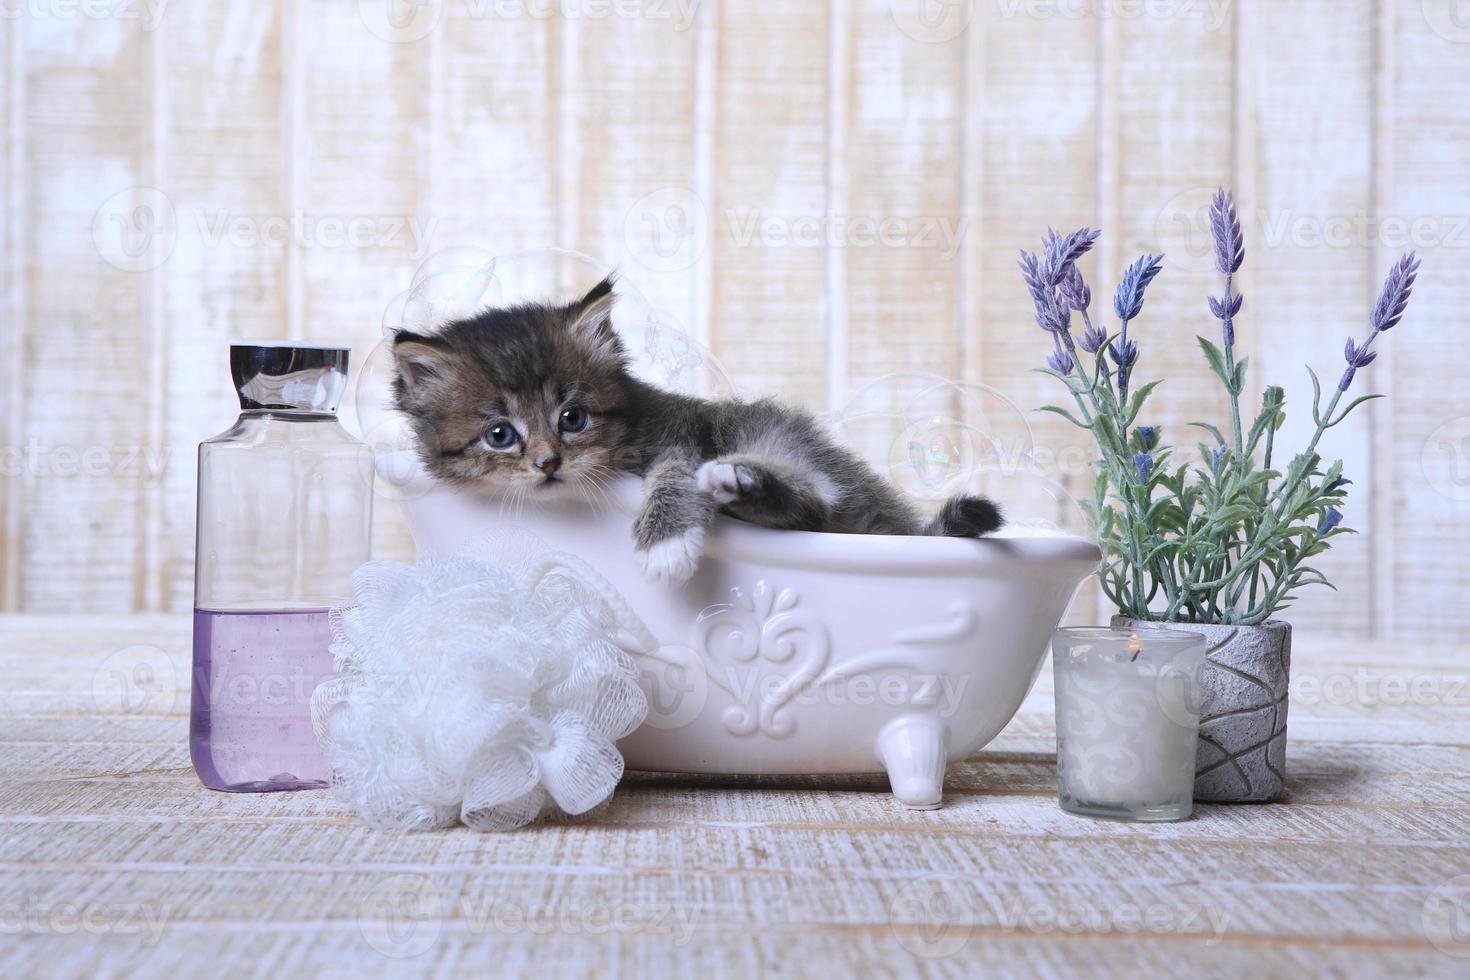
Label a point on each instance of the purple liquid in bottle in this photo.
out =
(285, 514)
(254, 672)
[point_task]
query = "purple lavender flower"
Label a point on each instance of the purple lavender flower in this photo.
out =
(1074, 290)
(1060, 362)
(1225, 227)
(1148, 435)
(1128, 301)
(1063, 251)
(1144, 462)
(1092, 338)
(1219, 454)
(1330, 519)
(1229, 254)
(1387, 312)
(1052, 315)
(1035, 280)
(1359, 356)
(1395, 296)
(1337, 484)
(1124, 352)
(1224, 311)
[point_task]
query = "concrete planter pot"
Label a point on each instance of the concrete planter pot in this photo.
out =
(1242, 733)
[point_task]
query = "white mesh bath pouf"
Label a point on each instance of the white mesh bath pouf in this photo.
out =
(487, 689)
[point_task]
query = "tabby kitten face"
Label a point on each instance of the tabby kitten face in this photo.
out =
(526, 399)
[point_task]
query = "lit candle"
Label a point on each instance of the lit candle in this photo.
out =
(1127, 721)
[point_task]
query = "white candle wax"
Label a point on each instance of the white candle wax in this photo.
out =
(1126, 727)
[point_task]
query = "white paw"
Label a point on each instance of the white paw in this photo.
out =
(723, 481)
(673, 560)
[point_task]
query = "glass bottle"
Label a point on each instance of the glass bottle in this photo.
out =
(284, 518)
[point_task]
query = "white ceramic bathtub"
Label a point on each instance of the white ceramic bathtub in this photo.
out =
(797, 652)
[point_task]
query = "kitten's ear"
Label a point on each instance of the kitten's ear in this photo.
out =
(591, 317)
(420, 360)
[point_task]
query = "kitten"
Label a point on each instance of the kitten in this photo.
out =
(537, 398)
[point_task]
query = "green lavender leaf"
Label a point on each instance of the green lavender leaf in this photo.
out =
(1058, 410)
(1351, 405)
(1216, 358)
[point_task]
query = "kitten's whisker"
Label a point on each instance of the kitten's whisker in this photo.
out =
(598, 477)
(604, 498)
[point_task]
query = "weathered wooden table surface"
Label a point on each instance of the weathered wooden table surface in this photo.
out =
(114, 860)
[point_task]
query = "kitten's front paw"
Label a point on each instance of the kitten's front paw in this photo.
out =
(726, 482)
(674, 559)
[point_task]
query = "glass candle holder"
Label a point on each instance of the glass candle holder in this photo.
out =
(1128, 706)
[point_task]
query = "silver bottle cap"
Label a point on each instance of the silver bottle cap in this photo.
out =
(289, 375)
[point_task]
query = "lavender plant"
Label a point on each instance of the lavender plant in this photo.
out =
(1225, 537)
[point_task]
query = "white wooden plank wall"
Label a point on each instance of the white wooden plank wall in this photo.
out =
(177, 175)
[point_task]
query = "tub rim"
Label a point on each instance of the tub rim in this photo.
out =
(734, 539)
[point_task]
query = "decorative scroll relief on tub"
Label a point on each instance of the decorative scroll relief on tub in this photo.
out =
(769, 653)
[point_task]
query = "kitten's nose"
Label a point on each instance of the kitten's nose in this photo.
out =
(548, 463)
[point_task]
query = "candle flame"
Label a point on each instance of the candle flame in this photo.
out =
(1135, 646)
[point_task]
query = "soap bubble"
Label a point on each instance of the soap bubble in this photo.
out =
(451, 284)
(559, 275)
(662, 354)
(936, 438)
(930, 434)
(1034, 504)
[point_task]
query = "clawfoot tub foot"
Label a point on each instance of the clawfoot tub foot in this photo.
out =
(912, 751)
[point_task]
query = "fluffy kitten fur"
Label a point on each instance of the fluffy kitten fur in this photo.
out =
(534, 399)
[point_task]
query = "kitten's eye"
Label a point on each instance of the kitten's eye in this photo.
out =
(501, 435)
(573, 419)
